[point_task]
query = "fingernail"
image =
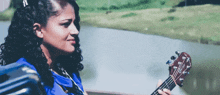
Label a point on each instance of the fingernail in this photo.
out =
(165, 90)
(159, 91)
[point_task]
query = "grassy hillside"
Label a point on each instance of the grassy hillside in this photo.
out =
(102, 5)
(194, 23)
(7, 14)
(97, 5)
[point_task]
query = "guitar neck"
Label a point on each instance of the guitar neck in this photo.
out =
(168, 84)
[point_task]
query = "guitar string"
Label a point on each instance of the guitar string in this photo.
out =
(181, 73)
(175, 74)
(167, 85)
(169, 80)
(180, 76)
(164, 85)
(172, 82)
(177, 71)
(156, 93)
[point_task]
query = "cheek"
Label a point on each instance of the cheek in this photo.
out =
(55, 38)
(58, 34)
(61, 43)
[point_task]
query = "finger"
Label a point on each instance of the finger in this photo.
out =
(161, 92)
(168, 92)
(164, 92)
(159, 83)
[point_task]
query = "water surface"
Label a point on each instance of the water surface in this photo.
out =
(130, 62)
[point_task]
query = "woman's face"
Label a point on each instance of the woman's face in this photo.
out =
(60, 32)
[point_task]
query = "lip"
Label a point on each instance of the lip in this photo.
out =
(72, 41)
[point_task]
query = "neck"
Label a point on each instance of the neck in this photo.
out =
(50, 56)
(168, 84)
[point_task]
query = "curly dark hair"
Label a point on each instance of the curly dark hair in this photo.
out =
(21, 40)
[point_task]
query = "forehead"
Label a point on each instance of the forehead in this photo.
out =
(66, 12)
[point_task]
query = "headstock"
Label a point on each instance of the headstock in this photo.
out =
(180, 67)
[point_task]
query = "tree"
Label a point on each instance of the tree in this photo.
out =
(15, 3)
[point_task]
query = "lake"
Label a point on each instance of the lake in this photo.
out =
(130, 62)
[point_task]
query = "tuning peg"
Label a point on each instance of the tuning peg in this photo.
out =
(173, 57)
(183, 57)
(179, 63)
(187, 67)
(178, 53)
(185, 72)
(169, 62)
(187, 60)
(181, 79)
(174, 67)
(181, 84)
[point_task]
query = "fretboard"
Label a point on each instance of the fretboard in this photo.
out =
(168, 84)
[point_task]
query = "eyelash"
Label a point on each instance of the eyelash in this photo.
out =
(66, 24)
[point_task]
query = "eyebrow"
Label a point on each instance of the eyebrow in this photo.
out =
(67, 19)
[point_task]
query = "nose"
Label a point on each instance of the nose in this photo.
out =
(74, 30)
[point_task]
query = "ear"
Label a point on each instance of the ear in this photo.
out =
(38, 30)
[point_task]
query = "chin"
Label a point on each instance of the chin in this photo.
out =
(68, 52)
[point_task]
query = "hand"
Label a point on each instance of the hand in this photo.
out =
(164, 91)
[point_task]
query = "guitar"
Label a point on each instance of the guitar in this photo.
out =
(19, 79)
(178, 69)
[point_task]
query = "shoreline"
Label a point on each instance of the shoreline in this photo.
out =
(201, 40)
(194, 23)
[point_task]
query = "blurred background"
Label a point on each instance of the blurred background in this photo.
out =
(126, 43)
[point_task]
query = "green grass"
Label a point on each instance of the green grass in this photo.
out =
(169, 18)
(128, 15)
(6, 15)
(194, 23)
(97, 5)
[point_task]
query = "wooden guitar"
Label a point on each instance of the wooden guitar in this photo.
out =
(178, 69)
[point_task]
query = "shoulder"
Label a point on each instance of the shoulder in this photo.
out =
(76, 77)
(23, 61)
(55, 90)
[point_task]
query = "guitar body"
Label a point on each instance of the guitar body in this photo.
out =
(178, 71)
(17, 79)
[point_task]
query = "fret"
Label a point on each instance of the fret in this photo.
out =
(178, 69)
(168, 84)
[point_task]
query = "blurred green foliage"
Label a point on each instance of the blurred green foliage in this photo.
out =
(128, 15)
(15, 3)
(169, 18)
(7, 14)
(93, 5)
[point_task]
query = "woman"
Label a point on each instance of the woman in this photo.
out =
(44, 35)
